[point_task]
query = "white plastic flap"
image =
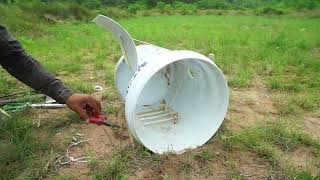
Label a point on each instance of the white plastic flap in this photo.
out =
(126, 42)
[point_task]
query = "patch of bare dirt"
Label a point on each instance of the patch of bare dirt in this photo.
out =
(217, 167)
(218, 171)
(303, 158)
(186, 166)
(249, 106)
(311, 126)
(314, 13)
(316, 52)
(104, 140)
(250, 165)
(75, 170)
(142, 174)
(67, 124)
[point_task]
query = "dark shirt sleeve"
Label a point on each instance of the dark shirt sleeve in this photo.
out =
(22, 66)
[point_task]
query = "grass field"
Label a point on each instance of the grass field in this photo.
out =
(272, 128)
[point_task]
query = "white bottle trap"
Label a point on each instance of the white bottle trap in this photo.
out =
(174, 99)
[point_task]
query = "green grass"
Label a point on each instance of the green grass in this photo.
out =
(21, 151)
(122, 160)
(295, 104)
(277, 50)
(245, 46)
(270, 141)
(252, 45)
(205, 158)
(80, 86)
(110, 109)
(281, 134)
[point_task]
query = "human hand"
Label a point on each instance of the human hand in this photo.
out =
(79, 103)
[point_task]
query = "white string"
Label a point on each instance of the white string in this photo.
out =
(71, 158)
(142, 42)
(175, 94)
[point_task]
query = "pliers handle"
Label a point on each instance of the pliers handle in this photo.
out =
(98, 119)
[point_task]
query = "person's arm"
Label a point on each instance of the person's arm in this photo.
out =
(19, 64)
(22, 66)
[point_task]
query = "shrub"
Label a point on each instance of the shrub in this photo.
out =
(133, 8)
(56, 9)
(92, 4)
(301, 4)
(184, 8)
(78, 12)
(114, 12)
(167, 9)
(160, 5)
(269, 11)
(164, 8)
(213, 4)
(17, 21)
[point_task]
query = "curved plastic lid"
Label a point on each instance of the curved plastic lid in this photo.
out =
(126, 42)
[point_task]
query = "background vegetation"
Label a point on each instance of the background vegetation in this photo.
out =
(23, 15)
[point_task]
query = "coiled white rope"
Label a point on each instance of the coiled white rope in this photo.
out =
(66, 159)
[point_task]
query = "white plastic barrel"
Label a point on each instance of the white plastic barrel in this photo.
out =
(174, 100)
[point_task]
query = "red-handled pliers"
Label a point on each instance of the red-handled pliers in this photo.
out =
(98, 119)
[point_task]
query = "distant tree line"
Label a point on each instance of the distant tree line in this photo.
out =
(22, 16)
(204, 4)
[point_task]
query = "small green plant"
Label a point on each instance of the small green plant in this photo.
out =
(275, 83)
(204, 156)
(281, 136)
(111, 109)
(295, 173)
(185, 168)
(116, 167)
(241, 79)
(232, 169)
(285, 105)
(267, 151)
(306, 102)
